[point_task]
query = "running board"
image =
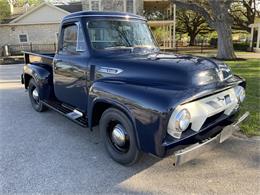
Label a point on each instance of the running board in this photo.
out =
(67, 111)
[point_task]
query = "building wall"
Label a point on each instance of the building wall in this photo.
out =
(139, 7)
(132, 6)
(37, 33)
(44, 14)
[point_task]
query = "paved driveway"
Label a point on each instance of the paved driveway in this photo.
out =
(46, 153)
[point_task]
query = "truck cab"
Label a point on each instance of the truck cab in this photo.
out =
(109, 71)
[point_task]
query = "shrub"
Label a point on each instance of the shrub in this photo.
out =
(213, 42)
(241, 46)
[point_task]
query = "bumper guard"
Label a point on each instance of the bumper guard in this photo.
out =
(193, 151)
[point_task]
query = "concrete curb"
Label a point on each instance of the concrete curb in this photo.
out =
(256, 138)
(10, 81)
(240, 135)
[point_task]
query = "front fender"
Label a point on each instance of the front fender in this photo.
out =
(149, 118)
(149, 106)
(42, 77)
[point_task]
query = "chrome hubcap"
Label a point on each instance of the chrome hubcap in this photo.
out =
(35, 94)
(119, 135)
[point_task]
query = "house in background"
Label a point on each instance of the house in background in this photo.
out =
(131, 6)
(37, 29)
(139, 7)
(255, 28)
(164, 13)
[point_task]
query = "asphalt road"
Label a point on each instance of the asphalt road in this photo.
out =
(46, 153)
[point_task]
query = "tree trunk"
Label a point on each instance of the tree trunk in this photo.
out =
(192, 39)
(225, 44)
(217, 15)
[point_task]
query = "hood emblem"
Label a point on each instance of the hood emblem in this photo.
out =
(221, 99)
(108, 70)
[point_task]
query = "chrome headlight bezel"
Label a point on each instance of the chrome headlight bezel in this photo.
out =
(240, 93)
(182, 120)
(179, 122)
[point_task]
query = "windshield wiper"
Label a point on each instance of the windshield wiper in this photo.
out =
(123, 35)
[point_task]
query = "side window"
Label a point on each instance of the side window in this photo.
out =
(73, 39)
(69, 42)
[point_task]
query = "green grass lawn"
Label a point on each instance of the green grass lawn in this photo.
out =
(250, 70)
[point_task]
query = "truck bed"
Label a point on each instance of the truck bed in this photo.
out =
(35, 58)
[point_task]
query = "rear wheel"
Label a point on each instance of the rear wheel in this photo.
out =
(118, 135)
(34, 96)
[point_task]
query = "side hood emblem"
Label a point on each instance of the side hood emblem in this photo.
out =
(109, 70)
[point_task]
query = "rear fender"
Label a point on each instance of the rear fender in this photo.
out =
(42, 77)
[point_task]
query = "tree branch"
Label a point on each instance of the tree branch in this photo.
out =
(196, 8)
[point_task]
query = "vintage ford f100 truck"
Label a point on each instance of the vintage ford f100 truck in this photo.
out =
(109, 71)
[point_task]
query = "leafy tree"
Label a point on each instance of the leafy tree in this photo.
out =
(159, 34)
(4, 10)
(21, 3)
(243, 13)
(216, 13)
(192, 23)
(154, 15)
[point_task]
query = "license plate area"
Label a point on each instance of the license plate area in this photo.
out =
(227, 99)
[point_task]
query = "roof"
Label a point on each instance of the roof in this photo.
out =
(103, 14)
(68, 8)
(37, 8)
(72, 7)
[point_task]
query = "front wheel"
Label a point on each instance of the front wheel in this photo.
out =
(33, 90)
(117, 133)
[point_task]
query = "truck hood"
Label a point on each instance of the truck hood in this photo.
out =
(164, 70)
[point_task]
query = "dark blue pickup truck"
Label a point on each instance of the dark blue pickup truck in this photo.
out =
(109, 71)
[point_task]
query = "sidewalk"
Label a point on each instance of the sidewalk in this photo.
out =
(11, 60)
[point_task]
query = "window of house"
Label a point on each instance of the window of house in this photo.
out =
(107, 6)
(95, 5)
(86, 5)
(110, 5)
(119, 5)
(130, 6)
(23, 38)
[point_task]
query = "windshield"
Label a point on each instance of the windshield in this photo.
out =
(120, 34)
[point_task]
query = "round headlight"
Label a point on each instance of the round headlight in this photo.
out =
(182, 120)
(240, 93)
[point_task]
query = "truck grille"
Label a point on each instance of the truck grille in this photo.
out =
(212, 119)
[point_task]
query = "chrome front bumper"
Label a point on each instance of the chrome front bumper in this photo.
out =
(193, 151)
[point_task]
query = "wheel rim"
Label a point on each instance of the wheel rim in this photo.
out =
(118, 135)
(119, 138)
(35, 95)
